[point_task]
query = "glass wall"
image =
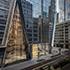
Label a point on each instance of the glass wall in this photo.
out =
(4, 8)
(37, 7)
(15, 47)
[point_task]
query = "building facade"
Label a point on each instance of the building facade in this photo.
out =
(40, 9)
(64, 10)
(67, 9)
(27, 11)
(4, 7)
(12, 32)
(43, 30)
(35, 30)
(62, 35)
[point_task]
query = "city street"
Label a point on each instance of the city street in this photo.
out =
(34, 34)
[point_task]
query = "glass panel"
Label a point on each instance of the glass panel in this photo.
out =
(4, 8)
(15, 47)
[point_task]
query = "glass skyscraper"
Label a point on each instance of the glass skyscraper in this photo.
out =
(27, 11)
(37, 7)
(64, 10)
(12, 32)
(4, 9)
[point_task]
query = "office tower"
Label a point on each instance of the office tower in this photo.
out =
(61, 10)
(64, 10)
(62, 35)
(27, 11)
(4, 7)
(52, 12)
(35, 30)
(62, 28)
(13, 41)
(67, 2)
(45, 30)
(37, 7)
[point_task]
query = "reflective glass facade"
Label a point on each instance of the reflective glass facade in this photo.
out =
(12, 28)
(4, 8)
(64, 10)
(15, 47)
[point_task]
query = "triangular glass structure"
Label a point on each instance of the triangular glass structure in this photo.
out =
(14, 42)
(15, 49)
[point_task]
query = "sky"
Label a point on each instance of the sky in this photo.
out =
(37, 6)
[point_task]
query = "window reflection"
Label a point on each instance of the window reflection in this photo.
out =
(15, 47)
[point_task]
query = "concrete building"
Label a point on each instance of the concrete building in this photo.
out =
(64, 10)
(67, 9)
(37, 7)
(35, 30)
(43, 30)
(61, 10)
(4, 7)
(62, 35)
(51, 15)
(27, 11)
(37, 11)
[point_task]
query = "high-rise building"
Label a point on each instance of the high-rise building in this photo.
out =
(52, 12)
(40, 9)
(35, 30)
(43, 30)
(37, 7)
(64, 10)
(27, 11)
(61, 10)
(62, 35)
(67, 9)
(4, 7)
(13, 40)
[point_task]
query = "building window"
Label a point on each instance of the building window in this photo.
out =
(2, 27)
